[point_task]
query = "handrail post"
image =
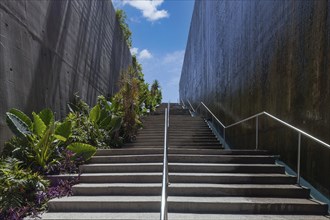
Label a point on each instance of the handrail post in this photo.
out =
(298, 159)
(257, 132)
(168, 114)
(165, 182)
(224, 136)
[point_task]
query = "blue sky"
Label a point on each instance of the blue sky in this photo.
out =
(159, 34)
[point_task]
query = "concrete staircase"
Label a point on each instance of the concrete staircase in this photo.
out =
(206, 181)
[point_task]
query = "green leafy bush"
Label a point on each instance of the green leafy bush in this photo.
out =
(39, 140)
(19, 189)
(99, 126)
(121, 17)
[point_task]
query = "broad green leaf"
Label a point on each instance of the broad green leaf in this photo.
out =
(59, 137)
(38, 125)
(16, 125)
(94, 114)
(85, 151)
(103, 115)
(21, 115)
(105, 122)
(64, 129)
(43, 150)
(115, 123)
(46, 116)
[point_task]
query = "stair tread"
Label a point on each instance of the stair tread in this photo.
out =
(100, 215)
(129, 199)
(182, 164)
(172, 216)
(229, 200)
(191, 185)
(186, 174)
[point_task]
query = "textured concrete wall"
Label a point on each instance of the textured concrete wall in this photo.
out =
(244, 57)
(51, 49)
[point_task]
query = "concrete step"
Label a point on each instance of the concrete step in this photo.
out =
(105, 204)
(148, 177)
(250, 190)
(245, 205)
(141, 151)
(99, 215)
(183, 142)
(192, 144)
(159, 145)
(192, 189)
(232, 178)
(178, 141)
(175, 135)
(176, 138)
(171, 216)
(216, 178)
(117, 189)
(181, 158)
(182, 167)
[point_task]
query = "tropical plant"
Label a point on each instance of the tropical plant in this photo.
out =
(121, 17)
(38, 141)
(155, 94)
(99, 127)
(126, 103)
(19, 190)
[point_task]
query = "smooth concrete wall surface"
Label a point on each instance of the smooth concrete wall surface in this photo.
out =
(244, 57)
(51, 49)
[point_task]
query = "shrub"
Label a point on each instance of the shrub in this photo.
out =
(19, 190)
(38, 142)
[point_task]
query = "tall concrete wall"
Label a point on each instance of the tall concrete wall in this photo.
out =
(244, 57)
(51, 49)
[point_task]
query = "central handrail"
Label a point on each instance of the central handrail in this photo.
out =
(164, 210)
(256, 116)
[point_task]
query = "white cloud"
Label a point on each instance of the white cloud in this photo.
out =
(117, 4)
(176, 56)
(167, 69)
(149, 8)
(134, 50)
(144, 54)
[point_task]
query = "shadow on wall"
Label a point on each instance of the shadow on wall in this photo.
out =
(244, 57)
(54, 49)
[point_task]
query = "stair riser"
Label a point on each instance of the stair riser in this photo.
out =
(160, 150)
(191, 147)
(181, 159)
(246, 208)
(182, 169)
(187, 179)
(179, 138)
(186, 191)
(203, 145)
(226, 169)
(121, 179)
(117, 191)
(232, 179)
(206, 191)
(104, 206)
(120, 169)
(175, 136)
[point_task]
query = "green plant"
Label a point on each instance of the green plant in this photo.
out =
(38, 140)
(155, 94)
(99, 127)
(121, 17)
(18, 188)
(126, 103)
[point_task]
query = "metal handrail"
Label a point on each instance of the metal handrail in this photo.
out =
(163, 210)
(183, 104)
(191, 106)
(256, 116)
